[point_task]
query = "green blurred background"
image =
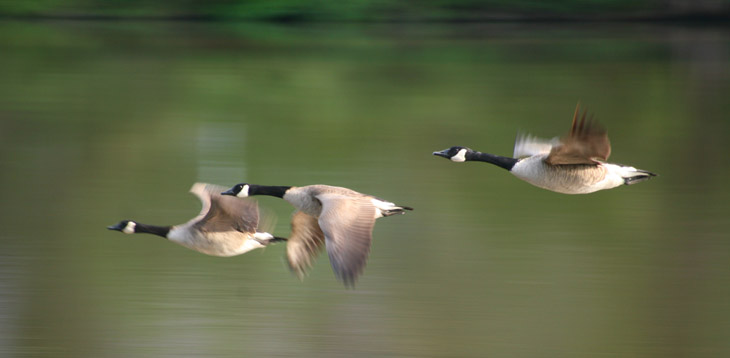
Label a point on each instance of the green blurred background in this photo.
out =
(372, 10)
(107, 120)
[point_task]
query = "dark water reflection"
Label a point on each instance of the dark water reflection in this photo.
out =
(104, 121)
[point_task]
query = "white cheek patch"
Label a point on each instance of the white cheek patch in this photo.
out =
(460, 156)
(129, 229)
(244, 192)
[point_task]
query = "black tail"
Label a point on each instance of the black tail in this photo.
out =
(396, 210)
(638, 177)
(278, 239)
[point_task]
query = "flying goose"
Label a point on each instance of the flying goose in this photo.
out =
(338, 218)
(224, 227)
(574, 164)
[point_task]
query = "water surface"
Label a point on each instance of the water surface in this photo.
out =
(102, 121)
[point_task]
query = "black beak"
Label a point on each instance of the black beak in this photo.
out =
(117, 227)
(443, 153)
(229, 192)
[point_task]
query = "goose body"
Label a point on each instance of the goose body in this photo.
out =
(574, 164)
(224, 227)
(337, 218)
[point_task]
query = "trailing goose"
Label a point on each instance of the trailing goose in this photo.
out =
(338, 218)
(224, 227)
(574, 164)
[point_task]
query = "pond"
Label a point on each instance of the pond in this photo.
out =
(103, 121)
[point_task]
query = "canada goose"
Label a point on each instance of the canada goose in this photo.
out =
(338, 218)
(573, 164)
(224, 227)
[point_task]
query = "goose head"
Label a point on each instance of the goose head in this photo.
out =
(239, 190)
(125, 226)
(455, 154)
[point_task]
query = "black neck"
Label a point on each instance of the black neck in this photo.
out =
(277, 191)
(504, 162)
(152, 229)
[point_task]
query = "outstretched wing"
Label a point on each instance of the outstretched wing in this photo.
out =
(305, 243)
(347, 224)
(223, 213)
(586, 143)
(527, 145)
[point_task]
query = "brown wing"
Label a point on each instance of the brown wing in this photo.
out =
(586, 143)
(347, 224)
(224, 213)
(305, 243)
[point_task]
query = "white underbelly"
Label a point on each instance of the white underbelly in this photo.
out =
(565, 179)
(224, 244)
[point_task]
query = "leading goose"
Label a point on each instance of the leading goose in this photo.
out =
(224, 227)
(338, 218)
(575, 164)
